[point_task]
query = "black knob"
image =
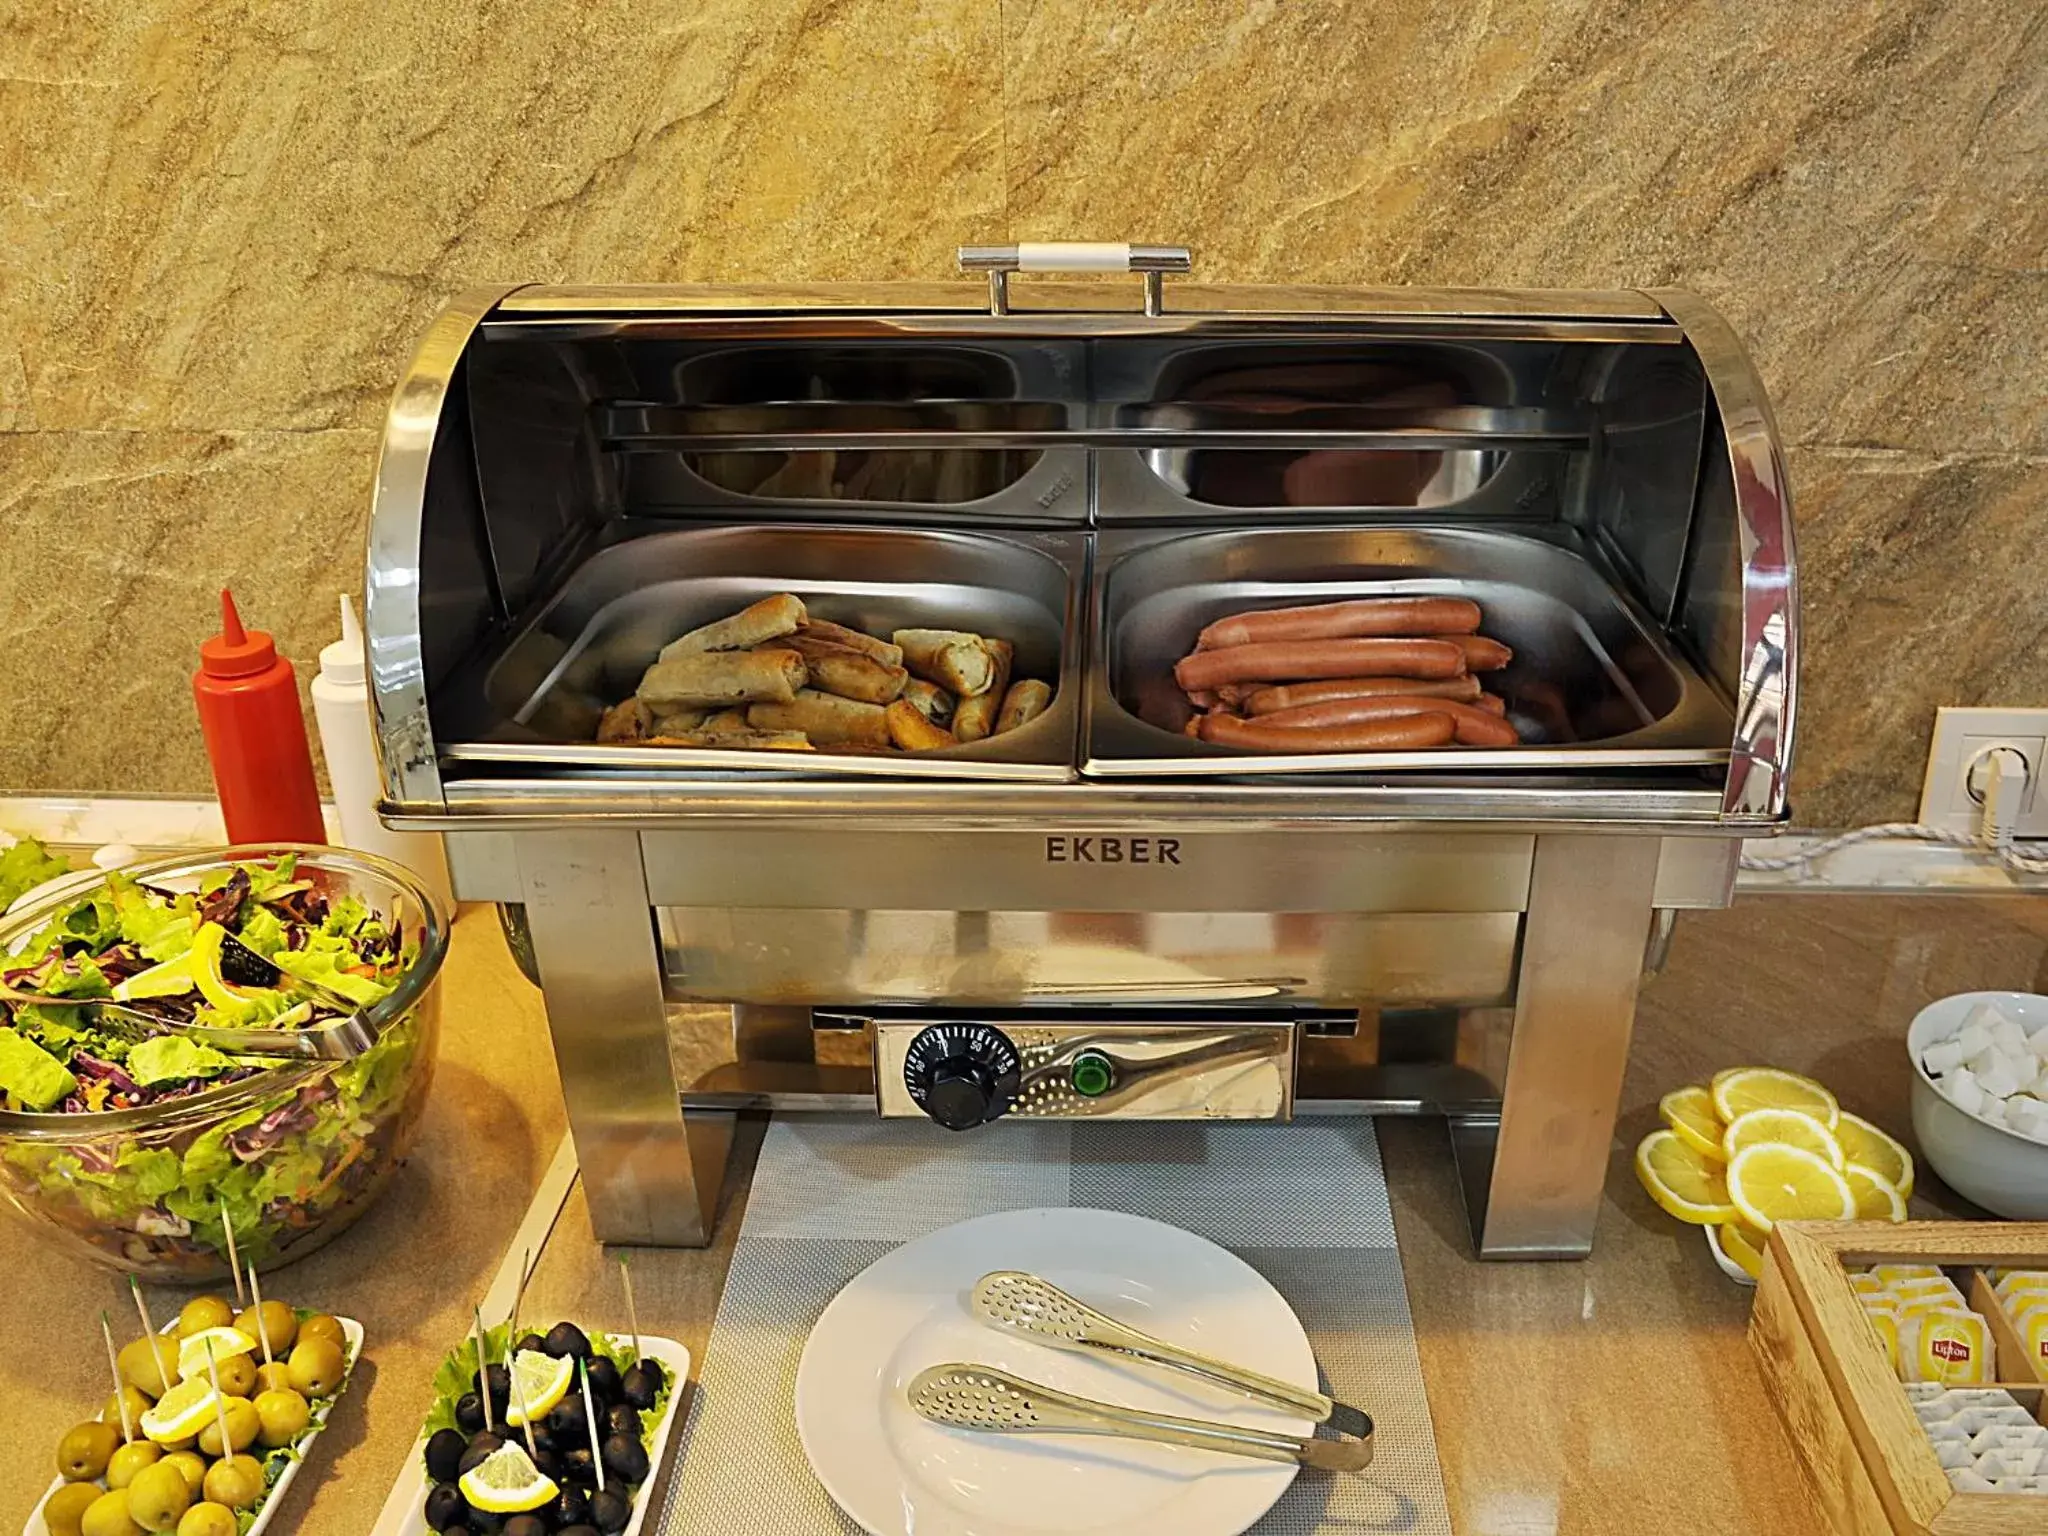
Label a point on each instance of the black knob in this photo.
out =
(962, 1075)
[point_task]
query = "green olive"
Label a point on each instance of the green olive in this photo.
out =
(158, 1498)
(83, 1454)
(317, 1367)
(129, 1460)
(204, 1312)
(65, 1508)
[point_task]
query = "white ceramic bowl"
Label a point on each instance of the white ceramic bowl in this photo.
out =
(2001, 1170)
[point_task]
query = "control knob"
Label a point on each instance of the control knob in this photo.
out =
(962, 1075)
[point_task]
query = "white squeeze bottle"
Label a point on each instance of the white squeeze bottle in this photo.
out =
(341, 707)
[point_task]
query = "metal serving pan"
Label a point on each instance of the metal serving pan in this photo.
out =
(588, 645)
(1593, 684)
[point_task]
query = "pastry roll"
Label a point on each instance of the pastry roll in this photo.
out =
(723, 677)
(952, 658)
(977, 717)
(825, 718)
(781, 614)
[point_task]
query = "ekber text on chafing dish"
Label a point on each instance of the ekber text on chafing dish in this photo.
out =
(1112, 850)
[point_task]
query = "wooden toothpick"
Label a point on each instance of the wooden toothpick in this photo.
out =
(590, 1418)
(632, 1312)
(483, 1377)
(120, 1387)
(149, 1333)
(220, 1404)
(262, 1327)
(234, 1259)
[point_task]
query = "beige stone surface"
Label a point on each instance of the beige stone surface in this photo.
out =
(230, 217)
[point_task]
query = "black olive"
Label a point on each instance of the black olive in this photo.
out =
(570, 1507)
(444, 1454)
(532, 1342)
(625, 1457)
(484, 1524)
(640, 1386)
(579, 1467)
(544, 1438)
(469, 1413)
(567, 1423)
(549, 1463)
(446, 1507)
(605, 1384)
(565, 1341)
(621, 1419)
(500, 1380)
(526, 1525)
(480, 1446)
(611, 1511)
(580, 1530)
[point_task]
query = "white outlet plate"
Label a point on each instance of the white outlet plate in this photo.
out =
(1961, 738)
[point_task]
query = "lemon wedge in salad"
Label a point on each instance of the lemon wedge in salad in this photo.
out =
(506, 1482)
(180, 1413)
(227, 1344)
(539, 1382)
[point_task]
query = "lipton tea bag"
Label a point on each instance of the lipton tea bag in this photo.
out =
(1951, 1345)
(1886, 1327)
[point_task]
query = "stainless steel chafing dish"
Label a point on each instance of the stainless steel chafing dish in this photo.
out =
(1095, 917)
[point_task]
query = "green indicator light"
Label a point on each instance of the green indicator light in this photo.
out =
(1092, 1074)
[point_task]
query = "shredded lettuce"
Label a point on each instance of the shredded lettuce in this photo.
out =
(24, 867)
(30, 1074)
(171, 1058)
(325, 965)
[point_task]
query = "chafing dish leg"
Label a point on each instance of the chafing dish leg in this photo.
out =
(651, 1173)
(1533, 1177)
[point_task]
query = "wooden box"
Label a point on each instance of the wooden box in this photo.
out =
(1872, 1467)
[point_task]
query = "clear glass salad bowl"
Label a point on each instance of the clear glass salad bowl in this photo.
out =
(292, 1155)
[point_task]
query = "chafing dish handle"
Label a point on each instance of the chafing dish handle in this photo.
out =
(999, 261)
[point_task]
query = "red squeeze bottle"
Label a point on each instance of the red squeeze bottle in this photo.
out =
(255, 734)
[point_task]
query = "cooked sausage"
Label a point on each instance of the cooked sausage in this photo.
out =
(723, 677)
(1482, 654)
(976, 717)
(1378, 616)
(952, 658)
(1493, 704)
(1474, 726)
(770, 617)
(629, 720)
(826, 718)
(1209, 698)
(1024, 703)
(1294, 660)
(910, 730)
(737, 741)
(932, 701)
(1265, 701)
(1401, 733)
(838, 634)
(1194, 726)
(845, 671)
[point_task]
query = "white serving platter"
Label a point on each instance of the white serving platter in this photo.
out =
(352, 1332)
(405, 1509)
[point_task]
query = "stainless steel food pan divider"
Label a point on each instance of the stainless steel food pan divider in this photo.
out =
(1594, 686)
(572, 475)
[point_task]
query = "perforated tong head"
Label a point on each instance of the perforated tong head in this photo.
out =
(1023, 1303)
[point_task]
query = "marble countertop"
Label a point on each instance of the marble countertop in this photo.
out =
(1611, 1396)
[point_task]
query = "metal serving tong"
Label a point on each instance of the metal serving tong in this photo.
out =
(341, 1039)
(1023, 1303)
(979, 1397)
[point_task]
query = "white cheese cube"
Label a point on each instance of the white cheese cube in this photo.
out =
(2010, 1038)
(2038, 1042)
(1982, 1062)
(1973, 1037)
(1963, 1091)
(2039, 1087)
(1999, 1081)
(1945, 1057)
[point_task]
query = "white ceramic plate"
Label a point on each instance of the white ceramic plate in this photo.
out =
(898, 1475)
(352, 1331)
(405, 1509)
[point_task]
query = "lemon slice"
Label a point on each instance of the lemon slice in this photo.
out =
(169, 979)
(1690, 1112)
(1770, 1182)
(1684, 1182)
(180, 1413)
(1788, 1128)
(204, 959)
(538, 1383)
(1877, 1197)
(227, 1343)
(1740, 1089)
(506, 1482)
(1868, 1147)
(1745, 1245)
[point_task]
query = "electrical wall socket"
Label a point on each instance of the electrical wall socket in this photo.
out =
(1952, 795)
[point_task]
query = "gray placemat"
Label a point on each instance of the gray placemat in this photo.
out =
(1304, 1204)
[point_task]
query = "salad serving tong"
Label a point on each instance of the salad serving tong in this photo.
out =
(982, 1398)
(341, 1039)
